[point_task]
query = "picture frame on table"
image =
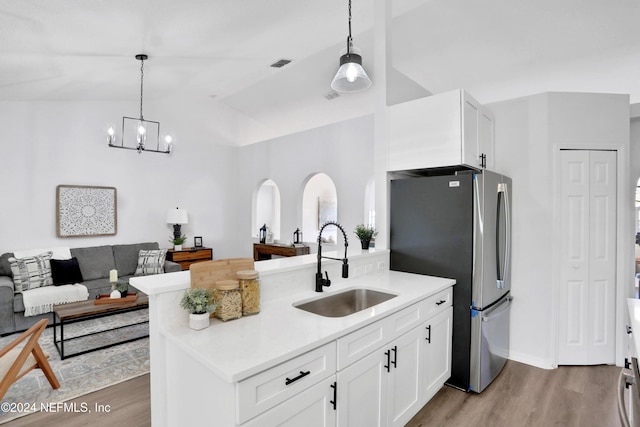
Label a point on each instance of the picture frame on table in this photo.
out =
(197, 242)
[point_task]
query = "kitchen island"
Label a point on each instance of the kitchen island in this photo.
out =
(261, 369)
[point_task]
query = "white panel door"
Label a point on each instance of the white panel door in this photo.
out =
(587, 257)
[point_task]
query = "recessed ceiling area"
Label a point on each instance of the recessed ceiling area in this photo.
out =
(74, 50)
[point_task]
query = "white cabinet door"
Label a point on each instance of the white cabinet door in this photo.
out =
(470, 114)
(404, 397)
(485, 139)
(314, 407)
(436, 336)
(384, 388)
(425, 132)
(390, 385)
(477, 135)
(447, 129)
(362, 392)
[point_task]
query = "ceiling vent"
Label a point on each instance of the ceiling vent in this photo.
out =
(281, 63)
(332, 95)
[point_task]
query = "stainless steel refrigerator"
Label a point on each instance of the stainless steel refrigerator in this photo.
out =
(458, 225)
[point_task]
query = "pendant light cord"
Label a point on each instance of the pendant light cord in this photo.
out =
(141, 86)
(349, 36)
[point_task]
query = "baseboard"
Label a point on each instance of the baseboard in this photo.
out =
(533, 361)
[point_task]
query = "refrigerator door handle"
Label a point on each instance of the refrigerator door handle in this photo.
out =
(503, 197)
(495, 312)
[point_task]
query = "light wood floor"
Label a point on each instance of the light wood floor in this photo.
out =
(129, 407)
(521, 396)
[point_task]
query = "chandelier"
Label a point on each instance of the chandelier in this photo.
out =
(137, 133)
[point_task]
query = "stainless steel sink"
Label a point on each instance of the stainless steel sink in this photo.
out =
(344, 303)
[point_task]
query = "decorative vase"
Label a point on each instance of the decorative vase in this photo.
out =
(199, 321)
(365, 243)
(177, 247)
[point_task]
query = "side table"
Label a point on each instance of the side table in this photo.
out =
(188, 256)
(262, 251)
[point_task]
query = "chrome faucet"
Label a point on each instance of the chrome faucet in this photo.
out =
(320, 281)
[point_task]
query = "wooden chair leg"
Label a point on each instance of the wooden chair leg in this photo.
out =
(43, 363)
(32, 346)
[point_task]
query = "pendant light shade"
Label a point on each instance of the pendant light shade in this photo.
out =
(351, 77)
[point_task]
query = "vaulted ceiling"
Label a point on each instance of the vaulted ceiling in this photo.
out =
(215, 55)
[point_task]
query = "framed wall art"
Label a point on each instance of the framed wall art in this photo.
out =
(86, 211)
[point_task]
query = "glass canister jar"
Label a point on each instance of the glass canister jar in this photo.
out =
(250, 288)
(229, 300)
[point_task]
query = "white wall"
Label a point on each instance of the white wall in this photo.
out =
(343, 151)
(528, 133)
(46, 144)
(50, 143)
(635, 156)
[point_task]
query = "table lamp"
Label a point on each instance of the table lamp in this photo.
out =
(177, 217)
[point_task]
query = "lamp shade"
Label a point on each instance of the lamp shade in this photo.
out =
(177, 216)
(351, 77)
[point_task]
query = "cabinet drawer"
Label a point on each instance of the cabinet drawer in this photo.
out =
(438, 302)
(275, 385)
(190, 255)
(406, 319)
(358, 344)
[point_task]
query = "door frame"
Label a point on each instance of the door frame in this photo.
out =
(624, 244)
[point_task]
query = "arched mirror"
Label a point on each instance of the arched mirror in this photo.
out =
(266, 208)
(319, 205)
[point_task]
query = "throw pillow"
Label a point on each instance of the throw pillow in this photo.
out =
(31, 272)
(151, 262)
(66, 271)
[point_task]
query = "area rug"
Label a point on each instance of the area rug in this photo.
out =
(86, 373)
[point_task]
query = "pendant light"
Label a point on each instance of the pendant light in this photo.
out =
(351, 77)
(137, 133)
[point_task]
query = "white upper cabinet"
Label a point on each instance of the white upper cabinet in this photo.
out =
(448, 129)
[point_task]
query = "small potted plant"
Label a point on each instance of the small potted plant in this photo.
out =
(177, 242)
(123, 287)
(199, 303)
(365, 234)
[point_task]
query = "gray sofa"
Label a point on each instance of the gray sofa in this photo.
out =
(95, 263)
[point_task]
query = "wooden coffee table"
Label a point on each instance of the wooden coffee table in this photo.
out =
(65, 314)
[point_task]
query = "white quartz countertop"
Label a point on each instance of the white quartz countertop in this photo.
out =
(237, 349)
(634, 317)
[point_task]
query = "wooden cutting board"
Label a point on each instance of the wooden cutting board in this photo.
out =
(205, 274)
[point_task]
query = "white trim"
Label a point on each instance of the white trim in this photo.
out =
(624, 236)
(532, 361)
